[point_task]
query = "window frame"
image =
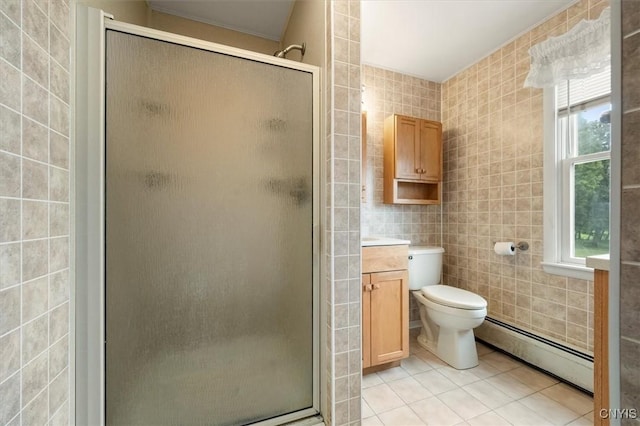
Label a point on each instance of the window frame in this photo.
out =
(558, 194)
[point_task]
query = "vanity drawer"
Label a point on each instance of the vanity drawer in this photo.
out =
(384, 258)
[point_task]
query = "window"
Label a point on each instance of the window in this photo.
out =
(577, 170)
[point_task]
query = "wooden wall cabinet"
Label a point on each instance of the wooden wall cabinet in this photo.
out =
(385, 306)
(412, 160)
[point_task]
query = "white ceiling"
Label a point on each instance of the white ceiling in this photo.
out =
(435, 39)
(263, 18)
(431, 39)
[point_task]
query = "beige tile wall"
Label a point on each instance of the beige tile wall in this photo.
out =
(630, 204)
(343, 288)
(493, 191)
(386, 93)
(34, 212)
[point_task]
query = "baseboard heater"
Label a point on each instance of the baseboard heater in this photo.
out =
(565, 363)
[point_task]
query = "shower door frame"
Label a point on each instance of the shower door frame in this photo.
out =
(89, 257)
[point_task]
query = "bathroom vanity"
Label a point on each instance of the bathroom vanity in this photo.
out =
(385, 303)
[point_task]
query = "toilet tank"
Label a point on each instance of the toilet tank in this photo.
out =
(425, 266)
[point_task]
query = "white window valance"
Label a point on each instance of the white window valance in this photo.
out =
(583, 51)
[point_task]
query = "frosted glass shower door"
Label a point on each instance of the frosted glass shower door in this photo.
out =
(209, 247)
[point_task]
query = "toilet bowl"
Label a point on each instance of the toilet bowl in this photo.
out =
(448, 314)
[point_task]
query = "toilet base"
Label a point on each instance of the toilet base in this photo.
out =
(456, 348)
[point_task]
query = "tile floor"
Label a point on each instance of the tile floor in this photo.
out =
(500, 391)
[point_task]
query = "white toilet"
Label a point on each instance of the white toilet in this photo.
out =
(448, 314)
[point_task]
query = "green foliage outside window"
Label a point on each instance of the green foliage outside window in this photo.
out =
(591, 221)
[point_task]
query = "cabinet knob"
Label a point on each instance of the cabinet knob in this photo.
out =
(417, 170)
(368, 287)
(376, 286)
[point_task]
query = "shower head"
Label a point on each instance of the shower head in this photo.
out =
(283, 53)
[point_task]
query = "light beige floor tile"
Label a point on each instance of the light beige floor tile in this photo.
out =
(483, 349)
(570, 397)
(488, 394)
(381, 398)
(431, 359)
(435, 382)
(366, 411)
(403, 416)
(410, 390)
(488, 419)
(484, 370)
(463, 403)
(549, 409)
(435, 412)
(371, 379)
(510, 385)
(459, 377)
(519, 415)
(533, 378)
(372, 421)
(392, 374)
(501, 361)
(582, 421)
(413, 365)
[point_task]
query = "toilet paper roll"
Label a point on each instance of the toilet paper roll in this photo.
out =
(505, 248)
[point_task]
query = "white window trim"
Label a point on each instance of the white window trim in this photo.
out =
(552, 221)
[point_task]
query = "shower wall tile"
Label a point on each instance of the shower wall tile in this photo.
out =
(59, 150)
(9, 175)
(10, 397)
(630, 77)
(11, 8)
(34, 207)
(9, 354)
(343, 202)
(10, 135)
(10, 46)
(629, 230)
(9, 220)
(34, 378)
(10, 265)
(36, 412)
(35, 140)
(493, 191)
(35, 298)
(35, 23)
(35, 62)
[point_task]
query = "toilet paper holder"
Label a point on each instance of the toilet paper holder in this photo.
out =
(522, 245)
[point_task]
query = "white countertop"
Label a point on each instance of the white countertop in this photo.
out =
(600, 261)
(383, 241)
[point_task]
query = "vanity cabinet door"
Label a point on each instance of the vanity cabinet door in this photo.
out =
(366, 320)
(389, 316)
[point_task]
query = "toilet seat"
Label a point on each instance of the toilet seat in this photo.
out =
(453, 297)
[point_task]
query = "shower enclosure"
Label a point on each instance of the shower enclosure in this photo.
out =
(204, 269)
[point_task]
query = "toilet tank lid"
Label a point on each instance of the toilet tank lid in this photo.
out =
(425, 249)
(453, 297)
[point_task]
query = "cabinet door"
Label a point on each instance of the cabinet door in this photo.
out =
(407, 146)
(366, 319)
(430, 151)
(389, 308)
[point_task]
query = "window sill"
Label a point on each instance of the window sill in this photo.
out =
(568, 270)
